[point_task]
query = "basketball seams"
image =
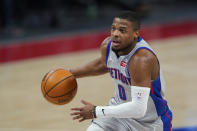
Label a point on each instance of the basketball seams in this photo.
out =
(63, 94)
(43, 80)
(52, 72)
(46, 94)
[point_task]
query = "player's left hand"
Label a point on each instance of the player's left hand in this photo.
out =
(82, 113)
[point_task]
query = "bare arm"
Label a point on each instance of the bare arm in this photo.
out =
(143, 68)
(95, 67)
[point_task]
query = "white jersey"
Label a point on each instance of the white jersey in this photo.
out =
(119, 71)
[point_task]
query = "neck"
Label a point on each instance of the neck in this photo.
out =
(126, 50)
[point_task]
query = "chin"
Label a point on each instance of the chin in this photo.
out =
(115, 49)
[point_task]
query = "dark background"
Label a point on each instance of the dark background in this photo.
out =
(29, 18)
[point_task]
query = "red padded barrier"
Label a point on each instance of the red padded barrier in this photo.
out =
(65, 44)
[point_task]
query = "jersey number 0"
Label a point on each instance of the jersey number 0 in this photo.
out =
(122, 93)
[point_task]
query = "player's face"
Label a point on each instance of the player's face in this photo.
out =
(122, 35)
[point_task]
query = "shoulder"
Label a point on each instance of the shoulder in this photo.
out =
(142, 62)
(103, 49)
(105, 43)
(143, 56)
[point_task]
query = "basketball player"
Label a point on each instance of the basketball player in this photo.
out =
(139, 103)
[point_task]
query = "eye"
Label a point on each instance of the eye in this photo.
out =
(113, 28)
(122, 30)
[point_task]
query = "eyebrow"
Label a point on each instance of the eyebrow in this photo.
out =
(121, 26)
(124, 25)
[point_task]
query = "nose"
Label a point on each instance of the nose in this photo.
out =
(115, 33)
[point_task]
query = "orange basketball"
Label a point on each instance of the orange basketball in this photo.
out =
(59, 86)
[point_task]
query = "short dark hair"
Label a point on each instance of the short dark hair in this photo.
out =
(130, 16)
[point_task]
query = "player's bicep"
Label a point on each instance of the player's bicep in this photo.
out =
(140, 70)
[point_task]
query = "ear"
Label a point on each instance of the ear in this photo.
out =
(136, 34)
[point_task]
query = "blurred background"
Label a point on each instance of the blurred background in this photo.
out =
(21, 18)
(36, 36)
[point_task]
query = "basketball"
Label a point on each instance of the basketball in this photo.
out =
(59, 86)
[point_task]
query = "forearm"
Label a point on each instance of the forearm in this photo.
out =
(134, 109)
(95, 67)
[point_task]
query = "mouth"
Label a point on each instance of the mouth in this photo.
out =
(115, 42)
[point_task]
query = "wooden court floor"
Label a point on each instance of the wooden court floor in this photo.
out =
(23, 108)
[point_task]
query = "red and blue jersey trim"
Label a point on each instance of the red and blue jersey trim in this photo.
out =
(161, 105)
